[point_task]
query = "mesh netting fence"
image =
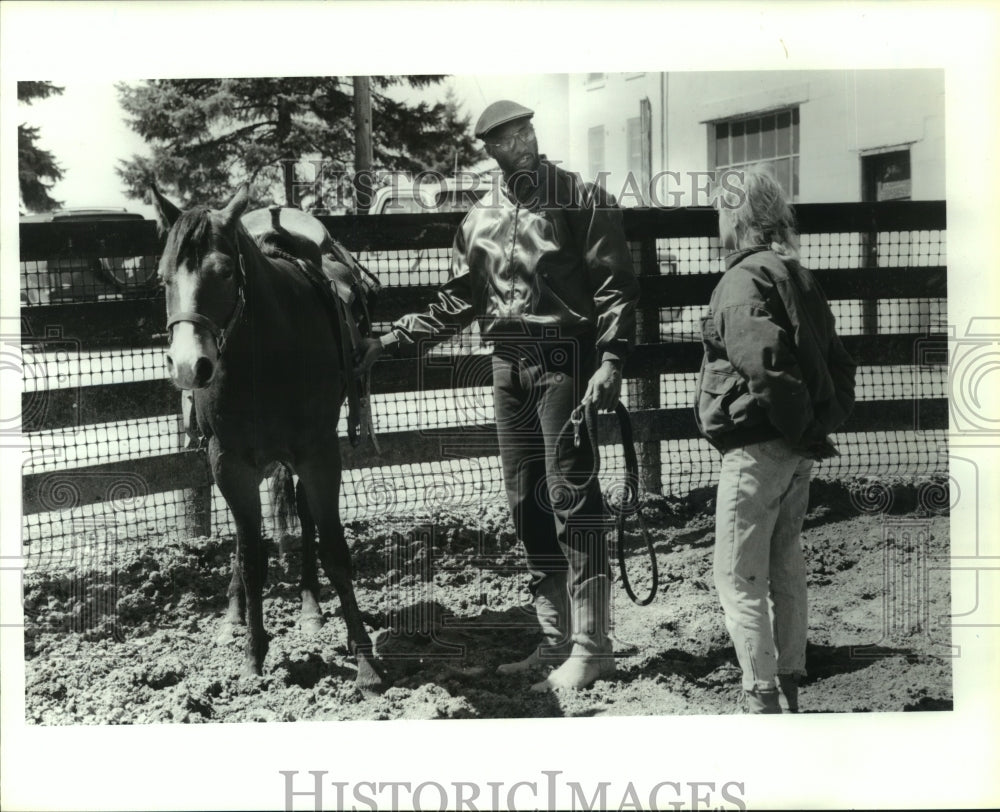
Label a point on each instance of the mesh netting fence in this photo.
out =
(95, 412)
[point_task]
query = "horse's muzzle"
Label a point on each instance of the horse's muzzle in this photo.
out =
(191, 359)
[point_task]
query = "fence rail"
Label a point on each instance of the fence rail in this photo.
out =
(135, 323)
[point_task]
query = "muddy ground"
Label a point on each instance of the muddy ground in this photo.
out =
(444, 596)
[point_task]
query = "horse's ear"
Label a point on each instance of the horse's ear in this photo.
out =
(236, 206)
(165, 210)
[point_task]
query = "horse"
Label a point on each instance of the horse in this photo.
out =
(259, 345)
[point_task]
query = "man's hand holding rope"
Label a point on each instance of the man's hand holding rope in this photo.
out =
(605, 386)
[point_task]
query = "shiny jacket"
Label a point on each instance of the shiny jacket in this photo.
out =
(547, 255)
(773, 363)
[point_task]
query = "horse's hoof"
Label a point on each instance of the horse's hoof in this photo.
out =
(370, 678)
(311, 624)
(252, 671)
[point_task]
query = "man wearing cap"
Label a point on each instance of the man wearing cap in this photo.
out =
(545, 268)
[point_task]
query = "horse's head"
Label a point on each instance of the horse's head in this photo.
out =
(203, 277)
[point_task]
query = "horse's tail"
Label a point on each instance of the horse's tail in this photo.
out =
(284, 516)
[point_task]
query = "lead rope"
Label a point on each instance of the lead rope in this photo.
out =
(586, 412)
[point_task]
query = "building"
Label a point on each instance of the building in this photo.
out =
(831, 136)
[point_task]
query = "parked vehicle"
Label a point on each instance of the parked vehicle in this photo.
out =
(69, 275)
(446, 195)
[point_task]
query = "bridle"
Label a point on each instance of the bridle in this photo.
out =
(222, 335)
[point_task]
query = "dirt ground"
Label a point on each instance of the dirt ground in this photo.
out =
(444, 599)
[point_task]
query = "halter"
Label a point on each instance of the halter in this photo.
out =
(221, 336)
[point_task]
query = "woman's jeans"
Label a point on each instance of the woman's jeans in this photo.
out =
(759, 569)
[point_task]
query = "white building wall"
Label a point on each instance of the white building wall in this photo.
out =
(609, 103)
(843, 115)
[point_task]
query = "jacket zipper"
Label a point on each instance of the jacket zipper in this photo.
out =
(510, 261)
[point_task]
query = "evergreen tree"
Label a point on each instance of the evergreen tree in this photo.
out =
(207, 135)
(37, 169)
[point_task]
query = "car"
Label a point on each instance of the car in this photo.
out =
(445, 195)
(73, 276)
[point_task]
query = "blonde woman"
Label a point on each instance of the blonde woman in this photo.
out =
(775, 381)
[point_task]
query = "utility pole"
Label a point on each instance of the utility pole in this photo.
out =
(363, 179)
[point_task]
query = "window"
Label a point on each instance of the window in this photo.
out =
(595, 151)
(771, 139)
(639, 148)
(633, 129)
(886, 176)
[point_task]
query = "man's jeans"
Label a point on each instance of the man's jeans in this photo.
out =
(536, 387)
(761, 503)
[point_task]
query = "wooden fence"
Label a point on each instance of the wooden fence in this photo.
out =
(136, 322)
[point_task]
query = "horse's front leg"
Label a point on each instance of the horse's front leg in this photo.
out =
(239, 483)
(320, 477)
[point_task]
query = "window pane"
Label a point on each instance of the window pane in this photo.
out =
(739, 143)
(753, 139)
(795, 178)
(784, 175)
(721, 144)
(795, 130)
(767, 142)
(784, 133)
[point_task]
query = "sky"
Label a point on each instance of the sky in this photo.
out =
(86, 129)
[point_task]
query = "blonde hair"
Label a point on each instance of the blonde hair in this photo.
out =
(762, 215)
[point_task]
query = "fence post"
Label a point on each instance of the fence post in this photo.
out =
(196, 503)
(869, 260)
(646, 390)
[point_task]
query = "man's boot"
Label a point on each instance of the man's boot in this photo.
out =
(591, 657)
(551, 602)
(762, 700)
(788, 684)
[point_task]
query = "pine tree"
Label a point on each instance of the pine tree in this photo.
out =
(37, 169)
(207, 135)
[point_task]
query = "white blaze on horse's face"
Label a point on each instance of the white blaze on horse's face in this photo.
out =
(204, 296)
(193, 354)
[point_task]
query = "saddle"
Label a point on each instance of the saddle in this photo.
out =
(349, 290)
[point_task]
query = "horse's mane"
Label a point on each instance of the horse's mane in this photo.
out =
(191, 236)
